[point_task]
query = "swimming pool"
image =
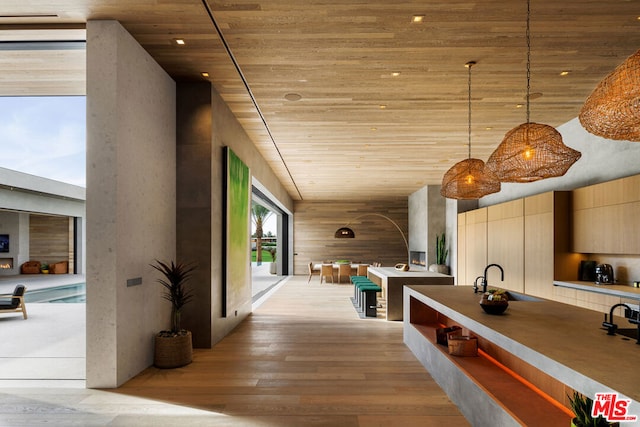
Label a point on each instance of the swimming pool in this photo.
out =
(74, 293)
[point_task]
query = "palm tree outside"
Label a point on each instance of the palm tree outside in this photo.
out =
(259, 214)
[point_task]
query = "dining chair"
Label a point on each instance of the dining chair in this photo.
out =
(326, 271)
(312, 271)
(344, 270)
(362, 269)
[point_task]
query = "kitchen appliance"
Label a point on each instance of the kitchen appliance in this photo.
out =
(604, 274)
(587, 271)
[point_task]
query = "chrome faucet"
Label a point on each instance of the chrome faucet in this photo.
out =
(485, 282)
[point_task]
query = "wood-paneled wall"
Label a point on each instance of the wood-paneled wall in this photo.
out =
(377, 239)
(49, 238)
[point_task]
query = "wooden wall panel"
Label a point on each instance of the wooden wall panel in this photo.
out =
(377, 239)
(49, 238)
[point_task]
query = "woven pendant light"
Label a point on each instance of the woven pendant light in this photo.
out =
(531, 151)
(468, 179)
(613, 109)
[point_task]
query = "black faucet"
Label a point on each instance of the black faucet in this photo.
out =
(475, 284)
(632, 315)
(485, 282)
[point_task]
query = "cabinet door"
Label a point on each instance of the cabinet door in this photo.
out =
(461, 260)
(607, 217)
(505, 242)
(630, 228)
(538, 256)
(476, 244)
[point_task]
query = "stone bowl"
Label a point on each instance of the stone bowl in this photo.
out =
(494, 307)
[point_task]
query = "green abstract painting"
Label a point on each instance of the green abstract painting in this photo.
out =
(237, 283)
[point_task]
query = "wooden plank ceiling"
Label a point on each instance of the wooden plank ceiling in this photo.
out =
(357, 131)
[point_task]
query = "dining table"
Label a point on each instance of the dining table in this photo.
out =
(354, 268)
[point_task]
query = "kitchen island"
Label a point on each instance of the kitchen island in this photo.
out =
(391, 281)
(555, 347)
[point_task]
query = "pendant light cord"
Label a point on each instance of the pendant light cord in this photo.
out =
(528, 36)
(469, 65)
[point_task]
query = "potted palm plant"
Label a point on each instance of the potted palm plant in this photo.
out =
(273, 267)
(173, 347)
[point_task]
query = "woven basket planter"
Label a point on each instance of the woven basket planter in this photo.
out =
(172, 352)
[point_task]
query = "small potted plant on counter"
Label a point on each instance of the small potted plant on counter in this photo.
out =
(173, 347)
(581, 406)
(44, 268)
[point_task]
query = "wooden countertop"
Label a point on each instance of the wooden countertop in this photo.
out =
(624, 291)
(564, 341)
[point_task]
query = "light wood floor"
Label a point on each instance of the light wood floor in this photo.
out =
(305, 358)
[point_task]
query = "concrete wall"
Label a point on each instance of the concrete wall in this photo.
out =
(130, 201)
(419, 221)
(205, 126)
(10, 224)
(426, 220)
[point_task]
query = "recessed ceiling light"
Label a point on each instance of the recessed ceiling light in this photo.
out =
(204, 74)
(179, 42)
(395, 74)
(564, 72)
(417, 19)
(293, 96)
(519, 105)
(488, 128)
(374, 129)
(382, 107)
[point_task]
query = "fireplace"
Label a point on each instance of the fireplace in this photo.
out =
(418, 258)
(6, 263)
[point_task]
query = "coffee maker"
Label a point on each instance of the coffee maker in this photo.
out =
(604, 274)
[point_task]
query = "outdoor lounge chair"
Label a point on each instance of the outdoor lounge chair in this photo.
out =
(14, 302)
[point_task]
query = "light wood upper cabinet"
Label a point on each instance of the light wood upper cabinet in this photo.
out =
(547, 244)
(505, 244)
(475, 244)
(538, 238)
(461, 260)
(606, 217)
(529, 238)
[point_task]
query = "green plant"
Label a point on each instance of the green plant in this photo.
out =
(497, 295)
(581, 406)
(441, 250)
(176, 292)
(259, 215)
(44, 266)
